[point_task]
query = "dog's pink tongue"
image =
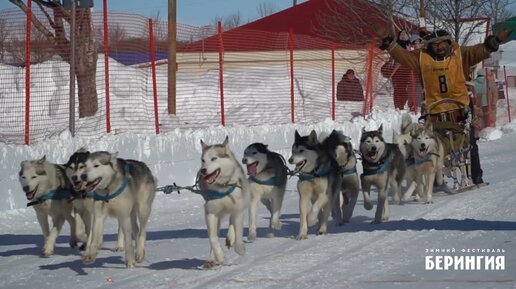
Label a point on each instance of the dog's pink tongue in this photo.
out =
(251, 169)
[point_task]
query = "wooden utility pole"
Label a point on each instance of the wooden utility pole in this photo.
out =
(172, 65)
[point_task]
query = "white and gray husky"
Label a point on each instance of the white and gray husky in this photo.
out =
(225, 189)
(383, 165)
(124, 189)
(340, 148)
(319, 182)
(267, 172)
(82, 200)
(428, 154)
(47, 189)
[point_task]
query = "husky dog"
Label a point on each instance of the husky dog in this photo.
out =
(83, 201)
(404, 142)
(319, 182)
(124, 189)
(267, 172)
(225, 189)
(48, 191)
(341, 150)
(383, 165)
(428, 154)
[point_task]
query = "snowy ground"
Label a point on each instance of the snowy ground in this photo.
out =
(357, 255)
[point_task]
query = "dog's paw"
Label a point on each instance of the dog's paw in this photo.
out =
(118, 248)
(276, 225)
(302, 237)
(368, 206)
(73, 244)
(270, 235)
(209, 265)
(129, 264)
(376, 222)
(429, 202)
(140, 256)
(396, 201)
(88, 259)
(251, 236)
(48, 252)
(240, 249)
(321, 232)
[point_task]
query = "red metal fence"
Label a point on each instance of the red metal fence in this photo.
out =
(237, 77)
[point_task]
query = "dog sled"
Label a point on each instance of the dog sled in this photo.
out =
(453, 127)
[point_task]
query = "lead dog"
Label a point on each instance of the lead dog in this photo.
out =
(340, 148)
(124, 189)
(48, 192)
(267, 182)
(383, 165)
(319, 182)
(225, 189)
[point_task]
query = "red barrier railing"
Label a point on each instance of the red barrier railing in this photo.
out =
(154, 85)
(291, 53)
(221, 73)
(27, 73)
(333, 82)
(106, 67)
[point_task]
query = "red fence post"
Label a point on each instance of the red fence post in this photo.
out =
(333, 82)
(507, 93)
(27, 73)
(221, 74)
(154, 86)
(106, 68)
(368, 103)
(291, 49)
(413, 92)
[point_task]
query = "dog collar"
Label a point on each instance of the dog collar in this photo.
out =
(268, 182)
(113, 195)
(375, 170)
(214, 195)
(57, 194)
(322, 171)
(410, 161)
(427, 158)
(349, 171)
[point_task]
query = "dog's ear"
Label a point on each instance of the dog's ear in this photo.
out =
(405, 142)
(23, 164)
(312, 138)
(42, 160)
(363, 129)
(113, 157)
(226, 141)
(297, 136)
(204, 145)
(380, 129)
(429, 126)
(82, 150)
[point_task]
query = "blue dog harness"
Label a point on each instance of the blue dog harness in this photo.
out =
(57, 194)
(379, 169)
(322, 171)
(273, 181)
(113, 195)
(215, 195)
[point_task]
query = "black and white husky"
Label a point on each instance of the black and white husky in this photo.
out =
(319, 181)
(124, 189)
(383, 165)
(225, 189)
(267, 173)
(49, 192)
(340, 148)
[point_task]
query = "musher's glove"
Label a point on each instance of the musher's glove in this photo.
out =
(492, 43)
(384, 35)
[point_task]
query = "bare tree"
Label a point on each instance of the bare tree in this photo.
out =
(86, 47)
(116, 35)
(231, 21)
(265, 9)
(4, 34)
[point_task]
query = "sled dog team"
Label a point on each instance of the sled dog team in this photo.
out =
(91, 186)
